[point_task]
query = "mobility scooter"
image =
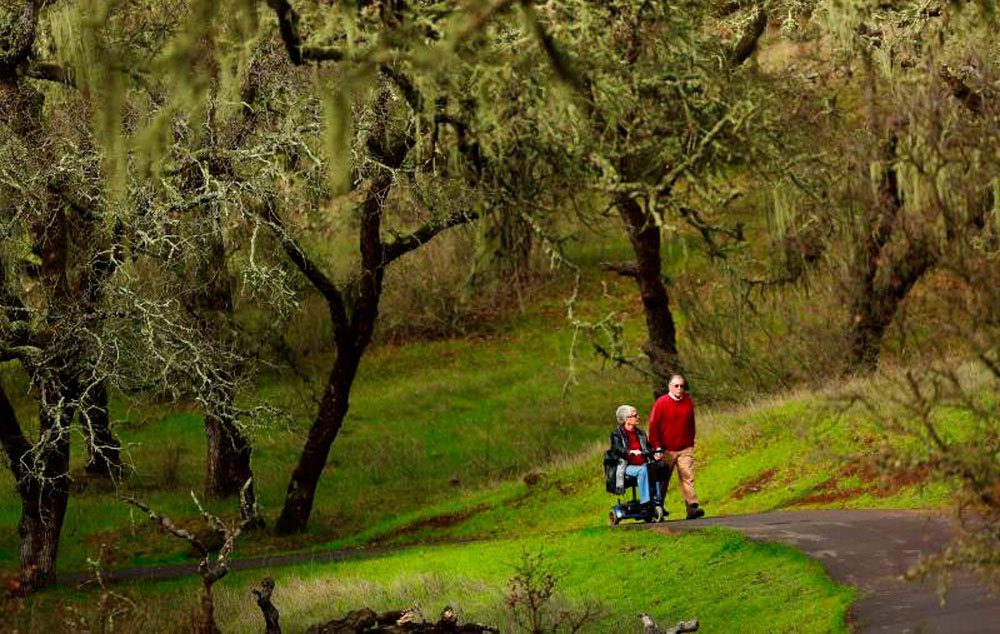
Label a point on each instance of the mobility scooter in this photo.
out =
(633, 509)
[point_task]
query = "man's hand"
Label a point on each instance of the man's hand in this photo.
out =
(635, 451)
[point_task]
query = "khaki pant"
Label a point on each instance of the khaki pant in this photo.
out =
(684, 461)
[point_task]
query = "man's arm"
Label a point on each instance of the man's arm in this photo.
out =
(655, 422)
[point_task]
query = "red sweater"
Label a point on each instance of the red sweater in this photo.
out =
(671, 423)
(633, 443)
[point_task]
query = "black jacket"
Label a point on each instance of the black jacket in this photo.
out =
(619, 442)
(616, 458)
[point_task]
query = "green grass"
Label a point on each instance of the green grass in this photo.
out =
(717, 577)
(784, 454)
(429, 421)
(434, 448)
(447, 428)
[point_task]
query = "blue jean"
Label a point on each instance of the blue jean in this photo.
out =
(641, 474)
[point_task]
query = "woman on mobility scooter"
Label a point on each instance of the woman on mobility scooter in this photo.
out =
(629, 457)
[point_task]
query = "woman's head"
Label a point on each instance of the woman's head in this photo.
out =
(627, 415)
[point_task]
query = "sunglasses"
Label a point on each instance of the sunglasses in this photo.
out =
(680, 385)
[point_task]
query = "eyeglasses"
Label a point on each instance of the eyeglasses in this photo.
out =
(680, 385)
(632, 416)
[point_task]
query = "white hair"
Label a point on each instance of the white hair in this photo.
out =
(623, 412)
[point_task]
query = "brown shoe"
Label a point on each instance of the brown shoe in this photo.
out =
(693, 512)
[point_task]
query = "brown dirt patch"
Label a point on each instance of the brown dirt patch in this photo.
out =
(825, 497)
(829, 490)
(754, 484)
(532, 478)
(873, 481)
(428, 523)
(890, 483)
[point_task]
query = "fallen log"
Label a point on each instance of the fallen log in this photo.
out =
(366, 621)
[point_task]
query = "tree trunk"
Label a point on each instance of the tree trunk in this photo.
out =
(103, 449)
(44, 493)
(877, 299)
(352, 336)
(43, 509)
(869, 321)
(332, 411)
(227, 460)
(661, 347)
(227, 464)
(208, 625)
(885, 267)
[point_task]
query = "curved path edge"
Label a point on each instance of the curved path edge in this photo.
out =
(870, 550)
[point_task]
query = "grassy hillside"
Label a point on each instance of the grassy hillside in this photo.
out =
(477, 442)
(616, 574)
(486, 438)
(797, 452)
(449, 427)
(428, 422)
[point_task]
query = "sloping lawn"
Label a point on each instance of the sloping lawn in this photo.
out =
(726, 582)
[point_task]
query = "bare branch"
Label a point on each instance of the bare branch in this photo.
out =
(288, 25)
(410, 92)
(961, 91)
(481, 19)
(168, 525)
(316, 277)
(625, 269)
(400, 245)
(670, 179)
(19, 353)
(15, 445)
(991, 364)
(263, 598)
(559, 61)
(316, 53)
(748, 41)
(708, 231)
(50, 71)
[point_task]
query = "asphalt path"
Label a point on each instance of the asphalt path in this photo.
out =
(870, 550)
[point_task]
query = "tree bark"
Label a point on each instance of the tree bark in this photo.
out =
(44, 491)
(880, 290)
(661, 347)
(103, 449)
(351, 339)
(884, 269)
(332, 411)
(227, 462)
(208, 625)
(747, 43)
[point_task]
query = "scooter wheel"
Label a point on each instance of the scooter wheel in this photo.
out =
(614, 518)
(658, 514)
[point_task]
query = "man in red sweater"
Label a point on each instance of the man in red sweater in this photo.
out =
(671, 428)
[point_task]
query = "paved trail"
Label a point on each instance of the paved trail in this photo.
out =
(869, 549)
